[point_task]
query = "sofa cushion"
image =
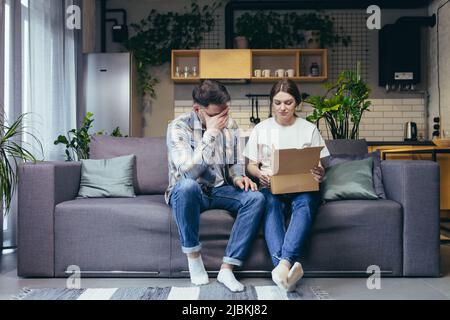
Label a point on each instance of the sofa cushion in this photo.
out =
(377, 174)
(347, 236)
(349, 180)
(107, 178)
(115, 234)
(351, 235)
(151, 173)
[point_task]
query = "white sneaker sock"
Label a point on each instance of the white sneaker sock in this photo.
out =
(197, 271)
(226, 277)
(295, 274)
(280, 275)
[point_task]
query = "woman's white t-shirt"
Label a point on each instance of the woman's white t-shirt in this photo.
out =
(301, 134)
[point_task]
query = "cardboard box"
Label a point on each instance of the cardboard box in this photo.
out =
(291, 170)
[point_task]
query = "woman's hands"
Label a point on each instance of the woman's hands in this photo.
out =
(318, 172)
(264, 178)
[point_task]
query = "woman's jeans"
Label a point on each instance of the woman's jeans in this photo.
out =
(188, 200)
(287, 243)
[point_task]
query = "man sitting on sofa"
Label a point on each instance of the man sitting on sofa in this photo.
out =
(206, 171)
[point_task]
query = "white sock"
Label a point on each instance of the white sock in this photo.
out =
(226, 277)
(197, 271)
(295, 274)
(280, 276)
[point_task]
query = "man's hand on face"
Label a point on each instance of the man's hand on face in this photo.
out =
(218, 122)
(245, 183)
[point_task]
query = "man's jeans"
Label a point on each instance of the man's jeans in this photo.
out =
(286, 243)
(188, 201)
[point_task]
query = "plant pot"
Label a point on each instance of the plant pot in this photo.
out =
(241, 42)
(312, 39)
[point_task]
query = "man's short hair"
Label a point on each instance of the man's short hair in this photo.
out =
(210, 92)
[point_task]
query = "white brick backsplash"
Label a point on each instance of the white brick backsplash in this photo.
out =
(384, 123)
(392, 114)
(412, 114)
(373, 114)
(392, 127)
(413, 101)
(382, 108)
(417, 108)
(382, 120)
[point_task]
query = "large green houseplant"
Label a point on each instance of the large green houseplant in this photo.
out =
(342, 106)
(157, 35)
(15, 147)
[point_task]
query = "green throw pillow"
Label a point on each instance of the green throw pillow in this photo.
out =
(349, 181)
(112, 178)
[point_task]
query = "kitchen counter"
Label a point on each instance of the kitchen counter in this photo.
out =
(400, 143)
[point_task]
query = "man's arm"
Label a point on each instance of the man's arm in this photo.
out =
(190, 163)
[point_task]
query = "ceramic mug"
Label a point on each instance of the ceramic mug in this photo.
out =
(279, 73)
(257, 73)
(290, 73)
(266, 73)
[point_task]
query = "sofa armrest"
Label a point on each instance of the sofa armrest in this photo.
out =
(415, 185)
(41, 187)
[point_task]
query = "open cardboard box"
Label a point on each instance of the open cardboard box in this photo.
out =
(291, 170)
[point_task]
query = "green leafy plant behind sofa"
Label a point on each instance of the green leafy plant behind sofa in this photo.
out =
(77, 140)
(342, 106)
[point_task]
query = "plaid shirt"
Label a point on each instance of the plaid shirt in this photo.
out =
(196, 154)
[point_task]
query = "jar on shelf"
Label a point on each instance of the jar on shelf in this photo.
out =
(315, 69)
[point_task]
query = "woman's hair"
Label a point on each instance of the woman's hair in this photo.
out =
(210, 92)
(288, 86)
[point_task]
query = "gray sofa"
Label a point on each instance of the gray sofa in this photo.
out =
(138, 237)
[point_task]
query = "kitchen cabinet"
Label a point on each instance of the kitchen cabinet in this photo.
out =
(442, 159)
(261, 65)
(225, 64)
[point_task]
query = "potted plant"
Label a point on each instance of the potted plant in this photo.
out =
(77, 141)
(342, 106)
(13, 149)
(319, 30)
(272, 30)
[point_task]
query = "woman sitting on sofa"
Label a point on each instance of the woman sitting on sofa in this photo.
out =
(285, 131)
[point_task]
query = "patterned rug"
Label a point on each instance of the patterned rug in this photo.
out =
(213, 291)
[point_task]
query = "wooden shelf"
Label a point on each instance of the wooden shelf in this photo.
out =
(297, 79)
(241, 64)
(186, 80)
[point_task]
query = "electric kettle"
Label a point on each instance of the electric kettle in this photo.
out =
(410, 131)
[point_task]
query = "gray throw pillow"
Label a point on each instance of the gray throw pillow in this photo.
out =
(349, 181)
(112, 178)
(377, 174)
